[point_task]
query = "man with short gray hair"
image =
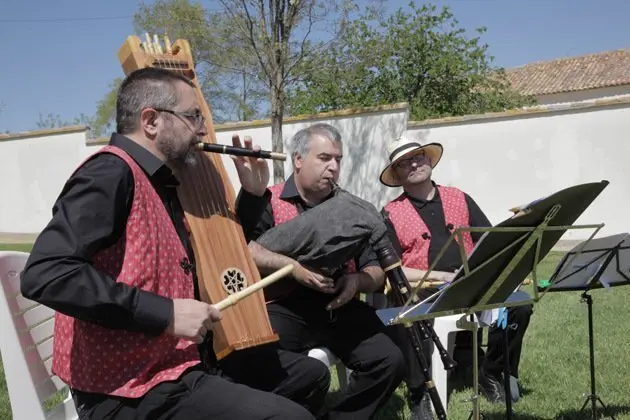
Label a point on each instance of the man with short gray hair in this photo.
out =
(309, 309)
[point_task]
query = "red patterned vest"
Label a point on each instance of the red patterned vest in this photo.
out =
(410, 227)
(95, 359)
(283, 211)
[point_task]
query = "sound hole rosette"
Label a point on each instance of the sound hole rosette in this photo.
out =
(233, 280)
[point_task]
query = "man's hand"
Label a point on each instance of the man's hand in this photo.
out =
(192, 319)
(437, 277)
(313, 280)
(253, 173)
(347, 287)
(441, 276)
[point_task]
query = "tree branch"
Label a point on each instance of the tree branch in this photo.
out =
(250, 31)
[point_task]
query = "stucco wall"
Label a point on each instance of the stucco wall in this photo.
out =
(512, 158)
(35, 165)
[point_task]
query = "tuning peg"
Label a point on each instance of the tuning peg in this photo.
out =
(158, 46)
(148, 45)
(167, 45)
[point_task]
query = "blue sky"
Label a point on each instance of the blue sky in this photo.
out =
(58, 57)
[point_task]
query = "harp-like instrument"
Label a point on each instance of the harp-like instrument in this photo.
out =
(223, 262)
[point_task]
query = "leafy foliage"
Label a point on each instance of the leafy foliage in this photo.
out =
(226, 68)
(421, 57)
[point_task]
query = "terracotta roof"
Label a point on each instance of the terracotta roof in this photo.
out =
(606, 69)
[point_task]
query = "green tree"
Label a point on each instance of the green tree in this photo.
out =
(266, 30)
(104, 120)
(55, 121)
(419, 56)
(227, 76)
(246, 53)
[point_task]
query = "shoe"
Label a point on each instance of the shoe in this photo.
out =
(420, 405)
(516, 391)
(491, 387)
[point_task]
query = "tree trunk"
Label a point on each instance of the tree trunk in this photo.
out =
(277, 110)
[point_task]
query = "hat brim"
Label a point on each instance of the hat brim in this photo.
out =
(432, 150)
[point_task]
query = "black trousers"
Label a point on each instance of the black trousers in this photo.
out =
(196, 395)
(296, 376)
(354, 334)
(493, 360)
(414, 376)
(517, 323)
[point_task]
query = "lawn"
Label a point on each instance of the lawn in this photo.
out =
(555, 364)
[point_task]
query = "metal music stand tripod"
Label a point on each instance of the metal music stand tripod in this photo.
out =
(594, 264)
(500, 262)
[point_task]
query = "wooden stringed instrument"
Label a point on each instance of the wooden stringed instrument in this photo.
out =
(223, 261)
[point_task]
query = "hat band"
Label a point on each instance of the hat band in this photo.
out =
(402, 148)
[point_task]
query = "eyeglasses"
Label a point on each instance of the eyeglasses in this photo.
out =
(405, 163)
(195, 118)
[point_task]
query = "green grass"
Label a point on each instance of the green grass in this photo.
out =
(555, 361)
(16, 247)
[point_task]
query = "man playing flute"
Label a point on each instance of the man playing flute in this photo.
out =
(114, 263)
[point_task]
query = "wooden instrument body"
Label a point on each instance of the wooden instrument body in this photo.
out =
(223, 261)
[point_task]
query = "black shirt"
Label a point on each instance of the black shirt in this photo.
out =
(256, 216)
(432, 215)
(89, 215)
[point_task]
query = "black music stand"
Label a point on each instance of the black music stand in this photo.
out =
(603, 262)
(501, 260)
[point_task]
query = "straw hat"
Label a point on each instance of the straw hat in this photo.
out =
(404, 147)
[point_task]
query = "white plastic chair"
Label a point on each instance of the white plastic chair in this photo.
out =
(26, 344)
(445, 328)
(326, 357)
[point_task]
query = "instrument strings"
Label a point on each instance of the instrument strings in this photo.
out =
(166, 58)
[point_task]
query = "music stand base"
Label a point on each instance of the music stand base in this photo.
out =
(471, 325)
(506, 374)
(592, 398)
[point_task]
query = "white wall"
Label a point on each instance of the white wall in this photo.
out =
(33, 170)
(512, 160)
(365, 138)
(38, 165)
(502, 160)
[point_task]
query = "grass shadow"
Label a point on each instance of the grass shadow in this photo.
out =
(602, 413)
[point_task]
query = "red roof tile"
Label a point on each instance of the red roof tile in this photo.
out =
(610, 68)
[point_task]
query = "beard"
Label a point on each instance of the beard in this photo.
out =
(177, 153)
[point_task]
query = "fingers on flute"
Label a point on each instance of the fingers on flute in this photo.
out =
(236, 140)
(249, 145)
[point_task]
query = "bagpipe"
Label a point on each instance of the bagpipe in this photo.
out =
(328, 235)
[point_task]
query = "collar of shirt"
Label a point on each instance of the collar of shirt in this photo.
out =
(290, 193)
(150, 164)
(420, 202)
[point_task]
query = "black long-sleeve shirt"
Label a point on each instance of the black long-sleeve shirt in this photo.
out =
(90, 214)
(432, 215)
(256, 216)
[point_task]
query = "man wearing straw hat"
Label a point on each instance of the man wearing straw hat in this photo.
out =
(421, 220)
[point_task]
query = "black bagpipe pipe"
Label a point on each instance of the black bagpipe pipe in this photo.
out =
(325, 237)
(402, 290)
(417, 331)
